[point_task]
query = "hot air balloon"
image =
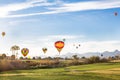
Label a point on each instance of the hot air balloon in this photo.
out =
(3, 34)
(76, 47)
(64, 40)
(59, 45)
(115, 13)
(101, 55)
(25, 51)
(44, 50)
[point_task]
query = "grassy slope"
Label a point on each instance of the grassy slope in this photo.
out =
(101, 71)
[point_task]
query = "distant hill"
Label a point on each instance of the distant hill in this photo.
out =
(105, 54)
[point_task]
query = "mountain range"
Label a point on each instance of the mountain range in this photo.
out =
(103, 54)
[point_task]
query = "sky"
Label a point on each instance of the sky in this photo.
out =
(35, 24)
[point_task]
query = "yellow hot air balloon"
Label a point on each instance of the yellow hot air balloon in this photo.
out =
(59, 45)
(3, 34)
(44, 50)
(25, 51)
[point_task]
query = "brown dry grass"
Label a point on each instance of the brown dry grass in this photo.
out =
(108, 71)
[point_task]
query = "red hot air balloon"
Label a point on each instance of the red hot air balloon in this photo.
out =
(59, 45)
(25, 51)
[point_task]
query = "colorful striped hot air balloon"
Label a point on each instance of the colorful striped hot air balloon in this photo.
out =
(59, 45)
(25, 51)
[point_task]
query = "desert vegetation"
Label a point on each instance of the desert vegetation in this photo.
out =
(40, 63)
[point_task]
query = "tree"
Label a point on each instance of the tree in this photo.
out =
(50, 58)
(3, 56)
(39, 58)
(94, 59)
(15, 49)
(33, 58)
(13, 57)
(117, 57)
(21, 57)
(83, 57)
(75, 57)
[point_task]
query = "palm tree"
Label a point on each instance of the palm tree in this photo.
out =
(15, 49)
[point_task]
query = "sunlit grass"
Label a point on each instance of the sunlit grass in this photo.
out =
(100, 71)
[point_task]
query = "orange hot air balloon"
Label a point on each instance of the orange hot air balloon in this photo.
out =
(25, 51)
(3, 34)
(59, 45)
(44, 50)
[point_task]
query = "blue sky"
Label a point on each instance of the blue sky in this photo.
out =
(39, 23)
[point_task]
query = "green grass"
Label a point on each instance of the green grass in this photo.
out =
(100, 71)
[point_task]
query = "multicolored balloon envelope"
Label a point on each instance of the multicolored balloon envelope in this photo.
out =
(59, 45)
(3, 34)
(44, 50)
(25, 51)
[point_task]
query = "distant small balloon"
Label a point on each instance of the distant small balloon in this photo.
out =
(64, 39)
(3, 34)
(115, 13)
(44, 50)
(77, 47)
(101, 54)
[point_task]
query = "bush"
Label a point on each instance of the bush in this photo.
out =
(93, 59)
(104, 60)
(12, 65)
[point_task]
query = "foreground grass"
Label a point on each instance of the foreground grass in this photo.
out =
(101, 71)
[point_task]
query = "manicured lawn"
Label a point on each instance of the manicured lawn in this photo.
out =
(100, 71)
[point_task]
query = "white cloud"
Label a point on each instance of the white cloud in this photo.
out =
(99, 46)
(6, 10)
(90, 5)
(66, 36)
(64, 7)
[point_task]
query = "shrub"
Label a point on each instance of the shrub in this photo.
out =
(93, 59)
(104, 60)
(11, 65)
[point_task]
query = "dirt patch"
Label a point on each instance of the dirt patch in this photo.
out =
(20, 74)
(109, 71)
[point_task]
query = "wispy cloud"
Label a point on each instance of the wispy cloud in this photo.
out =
(6, 10)
(66, 36)
(90, 5)
(63, 7)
